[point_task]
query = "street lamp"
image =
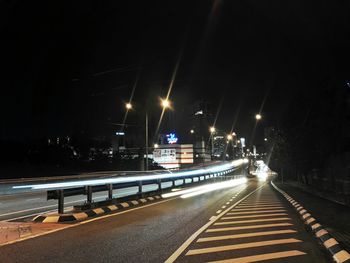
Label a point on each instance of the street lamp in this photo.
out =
(192, 131)
(165, 103)
(258, 116)
(156, 145)
(229, 137)
(212, 129)
(128, 106)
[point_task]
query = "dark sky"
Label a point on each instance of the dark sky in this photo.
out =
(71, 64)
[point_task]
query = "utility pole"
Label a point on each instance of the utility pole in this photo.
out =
(146, 141)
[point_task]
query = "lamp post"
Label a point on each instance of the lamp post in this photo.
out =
(212, 131)
(165, 104)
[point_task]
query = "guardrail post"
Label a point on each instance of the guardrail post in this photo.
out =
(110, 191)
(89, 194)
(160, 185)
(173, 183)
(184, 181)
(140, 188)
(60, 202)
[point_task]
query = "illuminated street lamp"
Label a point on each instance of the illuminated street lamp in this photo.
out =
(229, 137)
(128, 106)
(212, 129)
(156, 145)
(192, 131)
(165, 103)
(258, 116)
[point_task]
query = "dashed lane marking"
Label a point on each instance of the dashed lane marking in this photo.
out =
(246, 227)
(254, 234)
(253, 221)
(262, 257)
(242, 246)
(219, 211)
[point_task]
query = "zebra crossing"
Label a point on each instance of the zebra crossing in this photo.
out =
(262, 227)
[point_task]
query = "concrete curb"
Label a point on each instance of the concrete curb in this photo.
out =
(79, 216)
(338, 254)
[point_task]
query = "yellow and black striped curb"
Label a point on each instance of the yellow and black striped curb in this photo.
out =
(338, 254)
(79, 216)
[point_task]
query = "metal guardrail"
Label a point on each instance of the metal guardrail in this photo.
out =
(60, 190)
(7, 185)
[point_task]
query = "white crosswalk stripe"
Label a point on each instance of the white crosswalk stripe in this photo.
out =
(257, 229)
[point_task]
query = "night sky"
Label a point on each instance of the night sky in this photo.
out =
(70, 65)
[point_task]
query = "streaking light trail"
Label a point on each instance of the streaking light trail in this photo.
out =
(219, 169)
(205, 188)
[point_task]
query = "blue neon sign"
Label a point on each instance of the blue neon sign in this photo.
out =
(171, 138)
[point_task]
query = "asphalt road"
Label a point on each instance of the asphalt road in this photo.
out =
(153, 233)
(25, 205)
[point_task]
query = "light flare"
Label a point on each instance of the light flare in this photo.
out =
(220, 169)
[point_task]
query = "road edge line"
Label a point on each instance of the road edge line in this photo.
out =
(85, 222)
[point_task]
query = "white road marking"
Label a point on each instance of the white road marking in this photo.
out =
(254, 216)
(183, 247)
(85, 222)
(218, 212)
(223, 207)
(246, 227)
(256, 209)
(262, 257)
(32, 199)
(252, 206)
(255, 234)
(256, 212)
(43, 207)
(242, 246)
(261, 204)
(253, 221)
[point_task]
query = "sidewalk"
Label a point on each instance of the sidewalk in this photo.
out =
(12, 231)
(330, 213)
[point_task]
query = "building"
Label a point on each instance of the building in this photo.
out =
(173, 156)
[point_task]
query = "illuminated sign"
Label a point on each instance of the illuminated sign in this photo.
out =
(171, 138)
(242, 142)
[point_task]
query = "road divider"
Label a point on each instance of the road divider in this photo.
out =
(83, 215)
(337, 252)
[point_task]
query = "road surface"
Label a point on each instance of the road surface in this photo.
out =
(205, 228)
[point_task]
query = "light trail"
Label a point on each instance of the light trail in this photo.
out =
(205, 188)
(221, 169)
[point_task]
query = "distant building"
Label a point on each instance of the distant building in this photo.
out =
(172, 156)
(219, 145)
(201, 120)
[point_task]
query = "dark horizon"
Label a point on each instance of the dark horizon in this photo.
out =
(72, 67)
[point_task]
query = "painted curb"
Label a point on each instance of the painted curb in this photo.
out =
(79, 216)
(339, 254)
